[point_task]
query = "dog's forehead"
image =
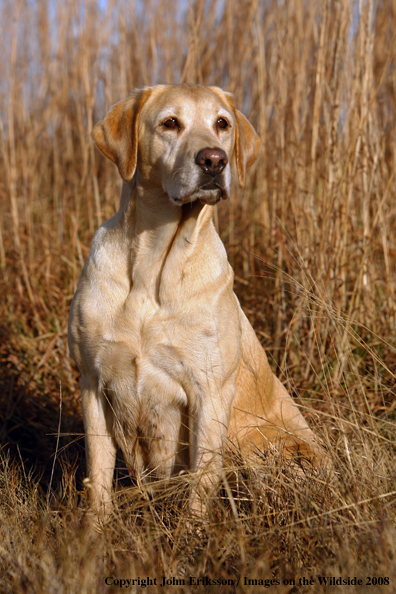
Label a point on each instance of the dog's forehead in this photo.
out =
(187, 100)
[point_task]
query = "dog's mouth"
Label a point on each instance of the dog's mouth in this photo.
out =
(207, 193)
(213, 193)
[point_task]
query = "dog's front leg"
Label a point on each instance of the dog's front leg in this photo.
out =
(208, 435)
(101, 448)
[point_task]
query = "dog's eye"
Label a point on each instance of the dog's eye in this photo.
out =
(171, 123)
(222, 123)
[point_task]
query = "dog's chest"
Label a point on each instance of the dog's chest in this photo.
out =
(143, 325)
(145, 338)
(129, 333)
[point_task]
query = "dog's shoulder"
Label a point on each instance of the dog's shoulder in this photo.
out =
(108, 246)
(104, 280)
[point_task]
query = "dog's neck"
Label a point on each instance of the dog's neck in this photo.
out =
(155, 226)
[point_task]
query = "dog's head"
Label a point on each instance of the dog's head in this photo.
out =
(181, 138)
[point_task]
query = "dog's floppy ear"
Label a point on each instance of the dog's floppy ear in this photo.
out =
(117, 134)
(247, 145)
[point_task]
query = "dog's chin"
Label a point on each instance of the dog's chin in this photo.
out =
(205, 195)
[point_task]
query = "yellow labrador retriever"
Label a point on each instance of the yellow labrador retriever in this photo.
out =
(171, 367)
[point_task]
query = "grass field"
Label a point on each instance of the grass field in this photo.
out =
(312, 239)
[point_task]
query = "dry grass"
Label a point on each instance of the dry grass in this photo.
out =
(312, 241)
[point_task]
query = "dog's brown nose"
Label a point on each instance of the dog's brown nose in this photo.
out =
(211, 160)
